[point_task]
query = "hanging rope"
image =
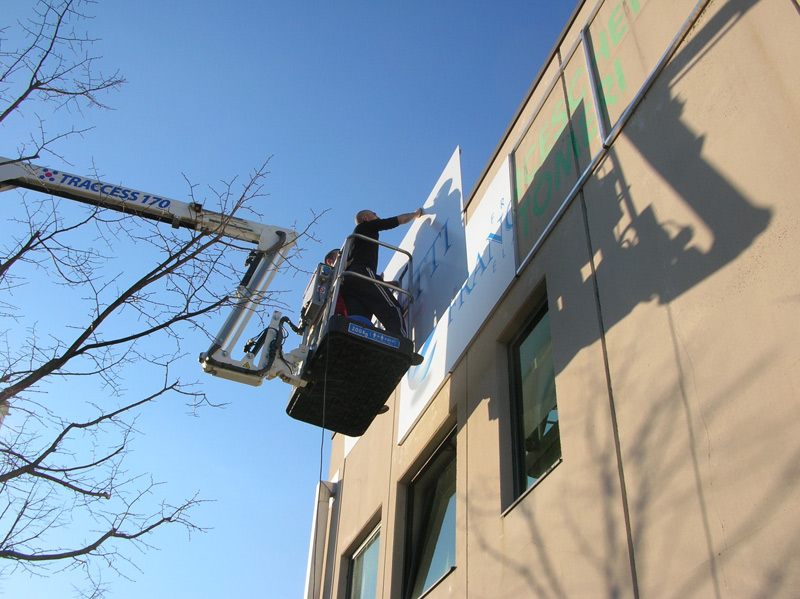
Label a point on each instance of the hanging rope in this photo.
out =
(324, 406)
(321, 461)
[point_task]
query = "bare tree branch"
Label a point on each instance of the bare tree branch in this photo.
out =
(53, 68)
(63, 452)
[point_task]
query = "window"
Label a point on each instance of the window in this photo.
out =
(363, 579)
(536, 436)
(431, 541)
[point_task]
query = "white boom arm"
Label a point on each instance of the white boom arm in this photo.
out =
(273, 245)
(124, 199)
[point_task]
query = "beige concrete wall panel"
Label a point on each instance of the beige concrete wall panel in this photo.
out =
(364, 490)
(336, 462)
(574, 28)
(456, 583)
(335, 468)
(431, 428)
(628, 37)
(365, 479)
(480, 497)
(764, 564)
(566, 538)
(694, 226)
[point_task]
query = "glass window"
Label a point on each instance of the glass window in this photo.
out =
(363, 583)
(537, 444)
(432, 514)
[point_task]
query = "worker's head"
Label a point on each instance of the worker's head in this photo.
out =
(364, 216)
(330, 257)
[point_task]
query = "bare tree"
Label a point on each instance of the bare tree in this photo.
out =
(67, 500)
(48, 63)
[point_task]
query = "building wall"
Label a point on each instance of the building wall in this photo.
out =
(672, 284)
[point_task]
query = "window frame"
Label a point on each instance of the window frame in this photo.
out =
(521, 487)
(419, 501)
(373, 536)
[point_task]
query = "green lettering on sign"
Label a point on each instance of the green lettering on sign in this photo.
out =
(538, 209)
(616, 25)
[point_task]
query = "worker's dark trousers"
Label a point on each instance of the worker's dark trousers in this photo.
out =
(362, 298)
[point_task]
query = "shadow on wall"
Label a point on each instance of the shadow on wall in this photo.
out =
(662, 259)
(442, 256)
(543, 568)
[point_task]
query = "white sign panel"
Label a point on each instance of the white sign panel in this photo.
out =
(436, 243)
(439, 257)
(490, 255)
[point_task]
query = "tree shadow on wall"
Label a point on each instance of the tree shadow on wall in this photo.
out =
(662, 258)
(561, 555)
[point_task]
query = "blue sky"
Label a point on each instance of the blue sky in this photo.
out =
(356, 105)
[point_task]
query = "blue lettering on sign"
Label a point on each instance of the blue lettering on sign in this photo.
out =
(108, 190)
(376, 336)
(429, 262)
(483, 262)
(417, 374)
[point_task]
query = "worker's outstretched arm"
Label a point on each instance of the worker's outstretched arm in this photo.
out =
(409, 216)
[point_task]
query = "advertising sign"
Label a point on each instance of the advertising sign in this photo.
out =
(489, 247)
(439, 258)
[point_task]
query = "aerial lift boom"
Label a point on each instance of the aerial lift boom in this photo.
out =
(272, 245)
(360, 363)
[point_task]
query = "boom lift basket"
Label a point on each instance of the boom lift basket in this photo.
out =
(350, 375)
(352, 366)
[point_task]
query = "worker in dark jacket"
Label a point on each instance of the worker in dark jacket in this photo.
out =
(362, 297)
